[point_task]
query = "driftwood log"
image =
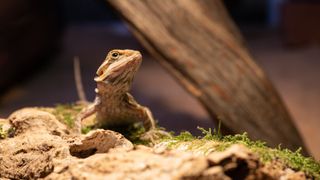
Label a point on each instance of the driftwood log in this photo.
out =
(198, 43)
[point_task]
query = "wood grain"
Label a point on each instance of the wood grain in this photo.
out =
(198, 43)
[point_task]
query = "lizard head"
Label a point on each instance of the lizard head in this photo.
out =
(119, 66)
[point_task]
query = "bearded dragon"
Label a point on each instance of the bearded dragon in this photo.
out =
(114, 105)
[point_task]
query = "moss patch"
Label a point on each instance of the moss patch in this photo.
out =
(3, 133)
(67, 113)
(86, 129)
(132, 132)
(216, 142)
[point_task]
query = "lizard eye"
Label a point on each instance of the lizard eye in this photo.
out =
(115, 55)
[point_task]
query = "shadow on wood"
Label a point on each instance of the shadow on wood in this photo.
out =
(197, 42)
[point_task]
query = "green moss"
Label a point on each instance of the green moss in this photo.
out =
(3, 133)
(86, 129)
(132, 132)
(292, 159)
(184, 136)
(67, 113)
(216, 142)
(136, 131)
(6, 133)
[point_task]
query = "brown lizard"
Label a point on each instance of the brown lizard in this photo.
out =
(114, 105)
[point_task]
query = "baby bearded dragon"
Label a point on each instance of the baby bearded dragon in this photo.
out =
(113, 104)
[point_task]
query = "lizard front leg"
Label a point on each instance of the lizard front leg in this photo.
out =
(152, 133)
(148, 122)
(141, 113)
(86, 112)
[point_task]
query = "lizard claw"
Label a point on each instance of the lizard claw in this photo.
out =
(154, 134)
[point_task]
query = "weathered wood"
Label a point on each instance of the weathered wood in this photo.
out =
(197, 42)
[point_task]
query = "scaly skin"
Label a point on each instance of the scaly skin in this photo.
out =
(113, 104)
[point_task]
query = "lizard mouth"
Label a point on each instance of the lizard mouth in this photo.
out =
(111, 71)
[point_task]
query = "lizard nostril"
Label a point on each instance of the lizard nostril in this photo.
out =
(99, 73)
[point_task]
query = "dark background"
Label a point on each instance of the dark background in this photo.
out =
(38, 40)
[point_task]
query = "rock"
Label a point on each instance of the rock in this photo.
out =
(277, 170)
(99, 141)
(136, 164)
(234, 152)
(30, 155)
(293, 175)
(237, 162)
(215, 172)
(43, 147)
(33, 120)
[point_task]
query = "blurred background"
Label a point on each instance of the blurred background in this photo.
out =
(39, 39)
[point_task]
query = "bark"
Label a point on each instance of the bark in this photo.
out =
(198, 43)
